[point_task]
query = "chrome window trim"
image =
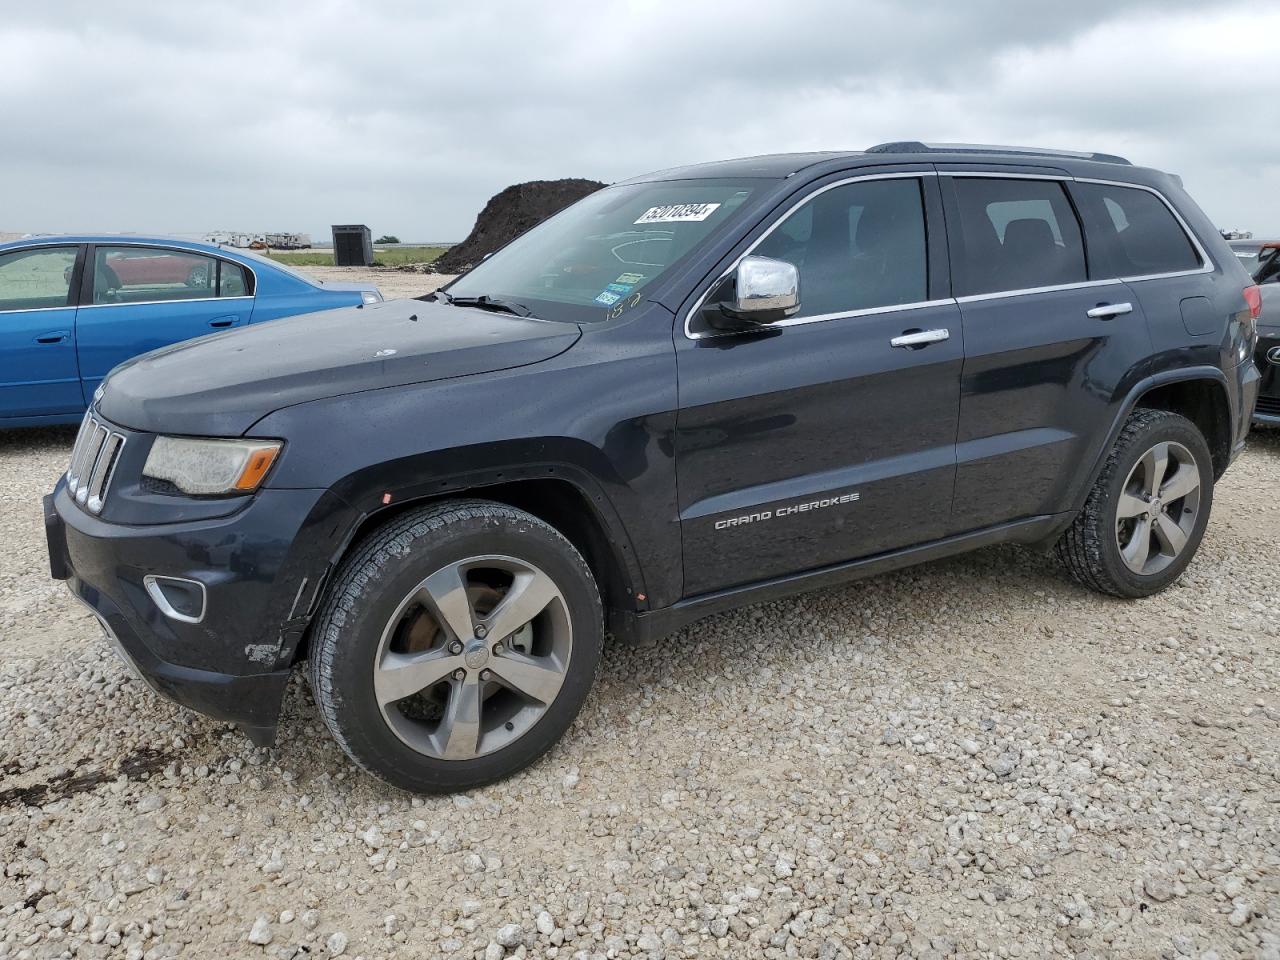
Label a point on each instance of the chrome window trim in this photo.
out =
(869, 311)
(36, 309)
(1207, 262)
(1001, 294)
(143, 303)
(819, 318)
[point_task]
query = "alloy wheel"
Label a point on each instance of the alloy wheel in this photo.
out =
(473, 657)
(1158, 508)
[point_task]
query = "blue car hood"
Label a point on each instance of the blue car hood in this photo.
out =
(221, 385)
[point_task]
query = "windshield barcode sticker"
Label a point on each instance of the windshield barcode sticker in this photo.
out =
(678, 213)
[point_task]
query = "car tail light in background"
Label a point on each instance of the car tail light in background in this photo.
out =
(1253, 297)
(1249, 329)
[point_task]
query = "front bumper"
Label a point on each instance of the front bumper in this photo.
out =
(262, 570)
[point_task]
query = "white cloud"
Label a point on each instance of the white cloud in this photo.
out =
(145, 116)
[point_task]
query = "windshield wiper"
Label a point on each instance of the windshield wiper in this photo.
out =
(484, 302)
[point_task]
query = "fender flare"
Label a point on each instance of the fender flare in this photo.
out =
(1130, 402)
(365, 493)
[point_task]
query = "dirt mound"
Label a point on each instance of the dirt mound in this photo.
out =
(509, 214)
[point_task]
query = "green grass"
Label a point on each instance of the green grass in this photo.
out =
(391, 257)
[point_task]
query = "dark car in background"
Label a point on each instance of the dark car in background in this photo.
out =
(1267, 276)
(1251, 253)
(689, 391)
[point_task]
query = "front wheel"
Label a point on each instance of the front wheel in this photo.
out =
(456, 645)
(1148, 509)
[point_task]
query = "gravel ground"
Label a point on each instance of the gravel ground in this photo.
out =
(972, 758)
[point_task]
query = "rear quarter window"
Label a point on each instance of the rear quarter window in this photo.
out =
(1132, 232)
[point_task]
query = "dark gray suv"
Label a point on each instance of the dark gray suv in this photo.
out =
(692, 390)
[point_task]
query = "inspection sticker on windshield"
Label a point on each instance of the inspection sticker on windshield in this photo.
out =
(678, 213)
(608, 299)
(632, 278)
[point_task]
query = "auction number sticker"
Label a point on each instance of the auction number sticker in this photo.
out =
(679, 213)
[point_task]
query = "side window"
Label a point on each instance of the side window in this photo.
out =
(1132, 233)
(857, 246)
(233, 279)
(36, 279)
(147, 274)
(1018, 235)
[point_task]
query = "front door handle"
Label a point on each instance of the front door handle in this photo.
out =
(54, 336)
(222, 322)
(919, 338)
(1105, 311)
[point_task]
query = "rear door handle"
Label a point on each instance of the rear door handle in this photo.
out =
(1105, 311)
(224, 322)
(54, 336)
(919, 338)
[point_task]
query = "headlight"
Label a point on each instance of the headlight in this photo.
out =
(211, 466)
(371, 296)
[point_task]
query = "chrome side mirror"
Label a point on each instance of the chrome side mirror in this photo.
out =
(765, 290)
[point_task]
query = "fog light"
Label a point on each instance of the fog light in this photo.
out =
(177, 597)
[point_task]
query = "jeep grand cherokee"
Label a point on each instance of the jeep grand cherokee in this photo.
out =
(692, 390)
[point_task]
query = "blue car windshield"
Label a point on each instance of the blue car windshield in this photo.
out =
(594, 260)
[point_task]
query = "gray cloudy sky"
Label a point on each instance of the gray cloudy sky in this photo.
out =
(173, 117)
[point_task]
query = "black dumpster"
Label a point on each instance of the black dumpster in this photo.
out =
(352, 245)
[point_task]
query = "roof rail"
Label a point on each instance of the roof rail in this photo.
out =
(915, 146)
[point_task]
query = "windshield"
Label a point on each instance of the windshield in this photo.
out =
(592, 261)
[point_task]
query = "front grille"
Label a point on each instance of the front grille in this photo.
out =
(93, 460)
(1268, 406)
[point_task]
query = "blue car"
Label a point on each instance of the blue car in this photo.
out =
(71, 308)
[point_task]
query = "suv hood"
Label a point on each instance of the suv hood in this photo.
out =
(222, 384)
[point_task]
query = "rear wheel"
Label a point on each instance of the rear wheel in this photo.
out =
(1146, 514)
(456, 646)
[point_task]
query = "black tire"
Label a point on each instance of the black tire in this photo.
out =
(1089, 548)
(368, 590)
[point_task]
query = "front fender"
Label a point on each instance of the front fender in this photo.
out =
(600, 416)
(385, 488)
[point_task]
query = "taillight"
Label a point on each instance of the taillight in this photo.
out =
(1253, 297)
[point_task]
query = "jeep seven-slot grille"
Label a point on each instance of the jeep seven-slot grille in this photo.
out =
(93, 460)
